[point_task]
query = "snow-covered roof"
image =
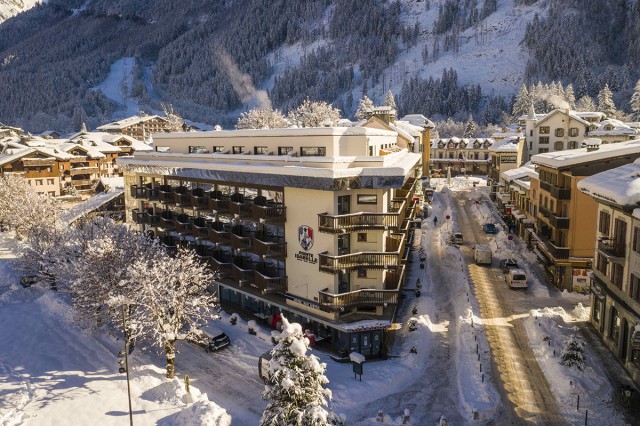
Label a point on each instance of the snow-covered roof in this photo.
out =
(305, 131)
(105, 141)
(589, 114)
(620, 185)
(91, 204)
(527, 170)
(509, 144)
(467, 141)
(418, 120)
(613, 127)
(571, 114)
(126, 122)
(572, 157)
(413, 130)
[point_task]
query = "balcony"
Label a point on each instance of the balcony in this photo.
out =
(555, 251)
(167, 219)
(354, 299)
(268, 246)
(139, 216)
(182, 197)
(559, 222)
(84, 171)
(612, 248)
(544, 211)
(394, 279)
(556, 192)
(240, 206)
(269, 280)
(81, 182)
(221, 262)
(153, 219)
(242, 270)
(138, 192)
(240, 238)
(218, 202)
(170, 243)
(269, 212)
(349, 262)
(183, 224)
(342, 224)
(219, 233)
(201, 227)
(165, 194)
(199, 199)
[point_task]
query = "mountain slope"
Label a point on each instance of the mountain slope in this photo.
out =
(9, 8)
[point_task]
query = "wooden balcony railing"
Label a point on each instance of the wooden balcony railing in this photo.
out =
(139, 216)
(84, 171)
(181, 196)
(341, 224)
(555, 251)
(153, 219)
(183, 223)
(395, 243)
(166, 194)
(221, 263)
(242, 270)
(271, 213)
(167, 219)
(270, 247)
(352, 261)
(243, 209)
(201, 227)
(394, 279)
(268, 282)
(218, 202)
(240, 238)
(612, 248)
(360, 298)
(199, 199)
(219, 233)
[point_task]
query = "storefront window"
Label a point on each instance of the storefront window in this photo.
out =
(614, 331)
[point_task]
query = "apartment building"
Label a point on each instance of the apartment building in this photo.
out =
(138, 127)
(518, 206)
(566, 219)
(615, 280)
(460, 155)
(505, 155)
(311, 222)
(40, 166)
(613, 131)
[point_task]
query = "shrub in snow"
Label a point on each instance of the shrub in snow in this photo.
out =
(233, 319)
(314, 114)
(572, 353)
(262, 118)
(295, 389)
(251, 325)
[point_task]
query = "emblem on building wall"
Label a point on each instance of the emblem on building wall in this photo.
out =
(305, 237)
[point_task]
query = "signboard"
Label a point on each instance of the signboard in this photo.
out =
(580, 279)
(305, 237)
(302, 301)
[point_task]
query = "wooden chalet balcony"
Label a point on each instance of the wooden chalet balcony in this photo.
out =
(240, 206)
(139, 216)
(81, 182)
(612, 248)
(221, 262)
(144, 192)
(270, 213)
(395, 243)
(153, 219)
(240, 238)
(182, 197)
(84, 171)
(201, 227)
(352, 261)
(218, 202)
(219, 233)
(395, 279)
(165, 193)
(268, 281)
(555, 251)
(199, 199)
(268, 246)
(167, 219)
(354, 299)
(242, 270)
(38, 162)
(183, 223)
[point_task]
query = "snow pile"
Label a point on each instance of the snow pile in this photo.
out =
(201, 413)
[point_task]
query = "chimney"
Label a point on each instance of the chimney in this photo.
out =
(592, 144)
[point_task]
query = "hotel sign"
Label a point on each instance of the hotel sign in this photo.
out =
(306, 257)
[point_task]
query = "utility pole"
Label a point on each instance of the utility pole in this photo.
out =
(126, 358)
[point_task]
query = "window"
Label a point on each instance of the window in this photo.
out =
(38, 182)
(531, 132)
(284, 150)
(597, 305)
(260, 150)
(558, 146)
(573, 131)
(617, 271)
(198, 150)
(367, 199)
(604, 222)
(542, 150)
(544, 130)
(572, 145)
(620, 233)
(217, 149)
(238, 149)
(162, 149)
(440, 155)
(601, 264)
(313, 151)
(634, 288)
(49, 181)
(552, 205)
(362, 273)
(544, 140)
(362, 237)
(451, 155)
(486, 155)
(475, 155)
(636, 244)
(559, 133)
(370, 151)
(614, 329)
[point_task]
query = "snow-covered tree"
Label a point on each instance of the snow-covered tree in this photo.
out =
(450, 128)
(174, 120)
(389, 100)
(314, 114)
(522, 102)
(171, 299)
(295, 389)
(635, 103)
(262, 118)
(22, 208)
(605, 102)
(572, 353)
(585, 104)
(39, 256)
(470, 128)
(365, 107)
(570, 97)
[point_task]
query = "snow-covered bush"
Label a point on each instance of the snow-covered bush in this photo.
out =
(572, 353)
(262, 118)
(314, 114)
(295, 390)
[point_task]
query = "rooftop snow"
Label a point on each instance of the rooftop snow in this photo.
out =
(571, 157)
(620, 185)
(306, 131)
(509, 144)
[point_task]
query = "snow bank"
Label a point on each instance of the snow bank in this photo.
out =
(201, 413)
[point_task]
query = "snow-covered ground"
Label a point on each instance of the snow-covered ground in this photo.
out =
(54, 372)
(9, 8)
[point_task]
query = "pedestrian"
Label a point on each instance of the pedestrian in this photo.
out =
(435, 220)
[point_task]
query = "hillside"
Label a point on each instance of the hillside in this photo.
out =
(9, 8)
(213, 60)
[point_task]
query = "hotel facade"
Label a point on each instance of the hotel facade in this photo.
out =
(313, 223)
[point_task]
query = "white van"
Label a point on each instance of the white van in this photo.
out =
(516, 278)
(482, 254)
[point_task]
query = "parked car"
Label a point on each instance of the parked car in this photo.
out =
(517, 278)
(210, 338)
(457, 238)
(482, 254)
(490, 228)
(507, 264)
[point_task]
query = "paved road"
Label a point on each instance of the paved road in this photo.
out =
(521, 383)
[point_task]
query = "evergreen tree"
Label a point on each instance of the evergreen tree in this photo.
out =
(585, 104)
(570, 97)
(295, 389)
(365, 107)
(470, 128)
(389, 100)
(572, 353)
(79, 118)
(605, 102)
(635, 102)
(522, 102)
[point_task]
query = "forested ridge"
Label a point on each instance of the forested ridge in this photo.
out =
(195, 54)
